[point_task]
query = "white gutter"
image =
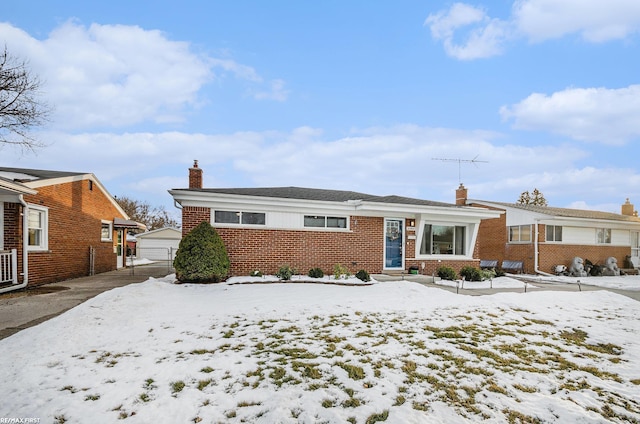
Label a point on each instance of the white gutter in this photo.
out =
(25, 245)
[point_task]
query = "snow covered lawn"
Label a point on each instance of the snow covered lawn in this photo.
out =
(286, 353)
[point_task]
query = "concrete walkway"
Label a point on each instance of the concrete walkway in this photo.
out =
(25, 308)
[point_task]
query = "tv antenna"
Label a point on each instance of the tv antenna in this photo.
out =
(473, 161)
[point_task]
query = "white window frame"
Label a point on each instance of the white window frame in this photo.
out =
(520, 227)
(110, 224)
(554, 231)
(239, 214)
(44, 239)
(603, 235)
(635, 243)
(326, 219)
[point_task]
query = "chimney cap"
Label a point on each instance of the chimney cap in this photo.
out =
(195, 163)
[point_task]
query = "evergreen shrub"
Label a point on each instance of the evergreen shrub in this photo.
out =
(363, 275)
(470, 273)
(447, 273)
(201, 256)
(285, 273)
(316, 273)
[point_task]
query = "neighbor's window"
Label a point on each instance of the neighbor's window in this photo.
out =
(238, 217)
(442, 240)
(38, 228)
(603, 235)
(325, 221)
(554, 233)
(107, 231)
(520, 233)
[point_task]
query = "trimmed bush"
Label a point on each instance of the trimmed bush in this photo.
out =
(363, 275)
(447, 273)
(285, 273)
(201, 256)
(340, 271)
(316, 273)
(470, 273)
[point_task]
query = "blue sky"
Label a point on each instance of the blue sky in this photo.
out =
(358, 95)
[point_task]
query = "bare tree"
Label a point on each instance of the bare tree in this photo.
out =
(143, 212)
(536, 198)
(21, 110)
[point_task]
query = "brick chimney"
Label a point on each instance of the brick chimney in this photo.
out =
(461, 195)
(195, 176)
(628, 209)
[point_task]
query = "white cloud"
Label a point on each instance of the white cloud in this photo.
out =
(276, 92)
(485, 38)
(608, 116)
(536, 20)
(118, 75)
(594, 20)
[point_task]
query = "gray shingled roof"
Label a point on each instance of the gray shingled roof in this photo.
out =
(567, 212)
(39, 174)
(301, 193)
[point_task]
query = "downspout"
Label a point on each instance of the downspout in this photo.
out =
(25, 244)
(536, 250)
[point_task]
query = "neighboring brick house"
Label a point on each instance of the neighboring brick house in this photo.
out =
(65, 223)
(542, 237)
(265, 228)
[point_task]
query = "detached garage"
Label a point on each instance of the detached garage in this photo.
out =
(158, 245)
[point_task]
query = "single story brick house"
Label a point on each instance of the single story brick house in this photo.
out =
(542, 237)
(265, 228)
(57, 225)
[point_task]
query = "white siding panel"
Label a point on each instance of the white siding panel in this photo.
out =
(156, 249)
(620, 238)
(284, 220)
(577, 235)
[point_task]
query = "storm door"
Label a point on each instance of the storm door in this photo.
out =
(393, 244)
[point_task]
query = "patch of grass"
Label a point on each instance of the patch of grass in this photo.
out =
(400, 400)
(206, 370)
(516, 417)
(203, 383)
(328, 403)
(353, 371)
(144, 397)
(306, 369)
(374, 418)
(177, 386)
(525, 389)
(60, 419)
(92, 397)
(245, 404)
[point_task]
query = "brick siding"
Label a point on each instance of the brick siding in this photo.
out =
(75, 223)
(266, 250)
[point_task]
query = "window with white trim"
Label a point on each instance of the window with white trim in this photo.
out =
(239, 217)
(554, 233)
(443, 240)
(320, 221)
(106, 233)
(520, 234)
(38, 228)
(603, 235)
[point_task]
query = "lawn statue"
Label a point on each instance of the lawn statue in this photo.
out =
(577, 268)
(560, 270)
(611, 267)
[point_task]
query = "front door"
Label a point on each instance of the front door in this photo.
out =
(393, 244)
